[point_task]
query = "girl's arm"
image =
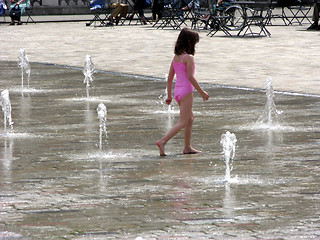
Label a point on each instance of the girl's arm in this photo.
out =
(169, 84)
(189, 61)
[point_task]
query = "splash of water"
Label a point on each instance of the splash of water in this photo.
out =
(24, 66)
(228, 142)
(170, 107)
(167, 108)
(270, 117)
(102, 115)
(88, 71)
(163, 97)
(6, 108)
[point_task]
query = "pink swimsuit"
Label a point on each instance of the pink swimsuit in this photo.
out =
(183, 86)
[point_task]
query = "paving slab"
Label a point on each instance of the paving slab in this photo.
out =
(56, 182)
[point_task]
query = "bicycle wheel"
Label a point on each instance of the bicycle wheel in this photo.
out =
(234, 18)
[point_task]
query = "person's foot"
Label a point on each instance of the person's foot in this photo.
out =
(313, 27)
(161, 148)
(191, 151)
(12, 23)
(205, 18)
(144, 21)
(117, 20)
(110, 19)
(19, 23)
(186, 8)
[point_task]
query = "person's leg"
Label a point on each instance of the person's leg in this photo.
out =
(161, 6)
(117, 9)
(124, 10)
(315, 17)
(188, 149)
(187, 133)
(12, 21)
(141, 15)
(154, 10)
(316, 13)
(185, 114)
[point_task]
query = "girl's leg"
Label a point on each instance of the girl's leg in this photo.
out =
(185, 114)
(187, 134)
(187, 137)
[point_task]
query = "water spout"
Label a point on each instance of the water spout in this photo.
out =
(170, 107)
(6, 108)
(88, 71)
(167, 108)
(228, 142)
(270, 116)
(24, 66)
(102, 115)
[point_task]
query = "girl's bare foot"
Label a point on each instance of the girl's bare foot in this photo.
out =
(191, 151)
(161, 148)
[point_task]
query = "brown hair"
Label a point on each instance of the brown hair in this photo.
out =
(186, 42)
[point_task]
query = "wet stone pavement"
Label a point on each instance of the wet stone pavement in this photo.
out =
(56, 183)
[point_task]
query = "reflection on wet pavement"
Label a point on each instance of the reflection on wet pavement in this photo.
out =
(57, 183)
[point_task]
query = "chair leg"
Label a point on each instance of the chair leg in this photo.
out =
(29, 14)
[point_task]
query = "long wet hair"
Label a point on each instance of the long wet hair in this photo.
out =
(186, 42)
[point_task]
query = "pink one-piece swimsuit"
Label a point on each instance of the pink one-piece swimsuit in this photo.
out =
(183, 86)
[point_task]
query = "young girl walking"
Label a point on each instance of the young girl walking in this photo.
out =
(183, 66)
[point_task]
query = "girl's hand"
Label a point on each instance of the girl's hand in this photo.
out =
(205, 96)
(168, 100)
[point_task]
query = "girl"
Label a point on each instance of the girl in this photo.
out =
(183, 66)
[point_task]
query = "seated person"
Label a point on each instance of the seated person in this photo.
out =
(3, 7)
(220, 5)
(120, 11)
(139, 5)
(97, 4)
(181, 5)
(315, 17)
(194, 4)
(18, 6)
(157, 8)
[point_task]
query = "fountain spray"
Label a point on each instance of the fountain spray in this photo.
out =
(102, 115)
(6, 108)
(270, 116)
(228, 142)
(88, 71)
(24, 66)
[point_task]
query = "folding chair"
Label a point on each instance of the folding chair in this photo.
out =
(134, 14)
(200, 14)
(191, 12)
(257, 16)
(230, 18)
(100, 13)
(299, 12)
(29, 9)
(170, 17)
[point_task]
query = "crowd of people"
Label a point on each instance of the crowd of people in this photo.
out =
(120, 10)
